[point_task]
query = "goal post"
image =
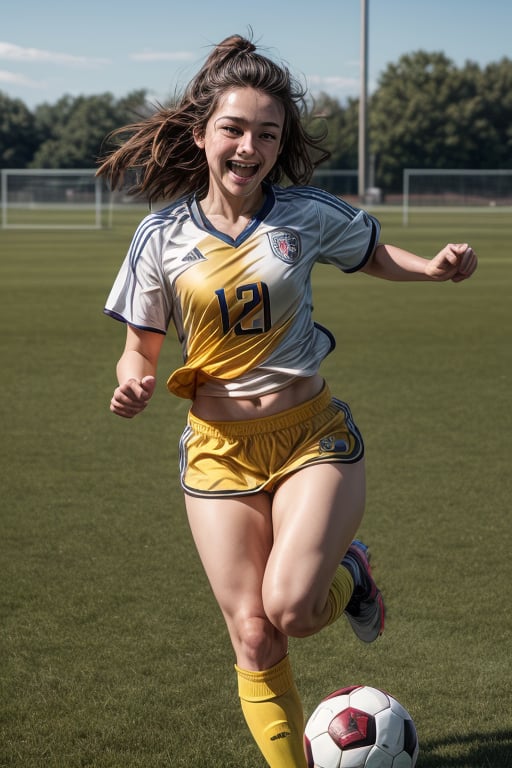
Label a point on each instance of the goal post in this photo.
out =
(455, 190)
(44, 198)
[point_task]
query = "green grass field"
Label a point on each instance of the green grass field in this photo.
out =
(113, 651)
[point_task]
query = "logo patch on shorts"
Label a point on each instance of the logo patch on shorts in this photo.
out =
(285, 245)
(331, 445)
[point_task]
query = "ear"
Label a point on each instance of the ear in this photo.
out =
(198, 137)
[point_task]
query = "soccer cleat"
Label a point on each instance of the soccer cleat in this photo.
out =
(365, 609)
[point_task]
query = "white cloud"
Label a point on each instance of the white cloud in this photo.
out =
(162, 56)
(11, 52)
(16, 79)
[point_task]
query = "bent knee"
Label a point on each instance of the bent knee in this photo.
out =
(294, 618)
(257, 642)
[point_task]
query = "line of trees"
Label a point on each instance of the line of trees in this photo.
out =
(424, 113)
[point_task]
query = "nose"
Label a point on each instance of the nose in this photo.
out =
(246, 144)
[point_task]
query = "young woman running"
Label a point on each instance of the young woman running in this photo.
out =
(271, 463)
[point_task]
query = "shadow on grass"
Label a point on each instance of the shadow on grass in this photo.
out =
(472, 750)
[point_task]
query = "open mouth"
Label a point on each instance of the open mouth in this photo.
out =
(244, 170)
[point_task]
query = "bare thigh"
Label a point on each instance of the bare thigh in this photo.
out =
(270, 562)
(234, 538)
(316, 514)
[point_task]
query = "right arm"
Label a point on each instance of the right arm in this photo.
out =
(136, 371)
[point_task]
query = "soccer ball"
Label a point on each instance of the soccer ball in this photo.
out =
(360, 727)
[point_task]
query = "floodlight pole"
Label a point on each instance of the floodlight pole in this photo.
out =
(363, 95)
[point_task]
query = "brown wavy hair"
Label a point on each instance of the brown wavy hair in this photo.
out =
(161, 149)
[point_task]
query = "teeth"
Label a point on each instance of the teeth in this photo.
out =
(244, 165)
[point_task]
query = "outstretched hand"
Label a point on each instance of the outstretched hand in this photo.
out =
(131, 397)
(456, 262)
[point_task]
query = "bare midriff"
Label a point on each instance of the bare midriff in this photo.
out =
(239, 409)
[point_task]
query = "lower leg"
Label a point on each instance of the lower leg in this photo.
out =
(354, 592)
(340, 592)
(234, 539)
(273, 712)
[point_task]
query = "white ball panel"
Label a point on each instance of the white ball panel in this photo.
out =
(354, 758)
(326, 753)
(397, 707)
(378, 759)
(369, 700)
(402, 761)
(390, 732)
(323, 714)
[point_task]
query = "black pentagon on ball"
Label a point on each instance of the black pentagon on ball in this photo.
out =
(410, 737)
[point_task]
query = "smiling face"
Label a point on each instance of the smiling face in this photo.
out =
(242, 141)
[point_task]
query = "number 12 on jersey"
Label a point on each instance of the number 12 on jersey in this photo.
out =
(249, 312)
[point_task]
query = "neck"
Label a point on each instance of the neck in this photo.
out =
(231, 209)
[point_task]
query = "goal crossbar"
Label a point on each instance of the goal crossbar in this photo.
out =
(48, 198)
(465, 188)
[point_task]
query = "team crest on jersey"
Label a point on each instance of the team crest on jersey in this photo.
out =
(285, 245)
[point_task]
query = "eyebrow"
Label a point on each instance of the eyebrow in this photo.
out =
(268, 123)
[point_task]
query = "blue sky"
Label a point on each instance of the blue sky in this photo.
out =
(53, 48)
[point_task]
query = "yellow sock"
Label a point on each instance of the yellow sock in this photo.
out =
(340, 592)
(273, 711)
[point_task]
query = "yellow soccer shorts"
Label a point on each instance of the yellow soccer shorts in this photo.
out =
(236, 458)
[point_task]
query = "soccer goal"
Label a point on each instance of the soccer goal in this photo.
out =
(455, 190)
(46, 198)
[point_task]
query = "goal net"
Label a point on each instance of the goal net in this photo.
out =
(51, 199)
(451, 190)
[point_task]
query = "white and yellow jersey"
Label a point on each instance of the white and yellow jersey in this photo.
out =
(242, 308)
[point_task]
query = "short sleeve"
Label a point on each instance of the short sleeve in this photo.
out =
(141, 295)
(349, 236)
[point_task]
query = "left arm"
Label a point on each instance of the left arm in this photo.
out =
(456, 262)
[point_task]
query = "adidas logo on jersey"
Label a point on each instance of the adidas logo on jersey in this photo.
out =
(194, 255)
